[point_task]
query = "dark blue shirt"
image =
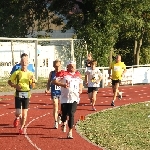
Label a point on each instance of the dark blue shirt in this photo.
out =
(55, 90)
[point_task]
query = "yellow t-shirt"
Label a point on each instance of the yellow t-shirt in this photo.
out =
(22, 78)
(117, 69)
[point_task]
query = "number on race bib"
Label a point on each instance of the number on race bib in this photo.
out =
(23, 94)
(73, 85)
(57, 87)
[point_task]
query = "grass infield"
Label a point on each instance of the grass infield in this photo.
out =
(4, 87)
(123, 128)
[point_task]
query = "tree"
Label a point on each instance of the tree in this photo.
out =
(18, 18)
(136, 23)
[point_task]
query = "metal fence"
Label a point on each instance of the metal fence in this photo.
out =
(41, 52)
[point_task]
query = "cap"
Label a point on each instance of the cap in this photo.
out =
(71, 62)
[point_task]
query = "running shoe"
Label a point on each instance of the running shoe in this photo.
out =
(56, 125)
(16, 122)
(112, 103)
(120, 95)
(93, 108)
(69, 136)
(21, 131)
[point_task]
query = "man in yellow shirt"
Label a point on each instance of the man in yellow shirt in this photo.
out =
(21, 80)
(118, 69)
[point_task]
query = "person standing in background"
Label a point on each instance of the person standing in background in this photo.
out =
(89, 59)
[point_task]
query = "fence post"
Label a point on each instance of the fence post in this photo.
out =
(36, 55)
(132, 74)
(103, 79)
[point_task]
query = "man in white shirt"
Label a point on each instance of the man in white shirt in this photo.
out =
(71, 88)
(93, 76)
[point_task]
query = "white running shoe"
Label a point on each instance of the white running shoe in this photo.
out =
(56, 125)
(69, 135)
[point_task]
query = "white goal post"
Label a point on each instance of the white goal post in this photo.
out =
(36, 41)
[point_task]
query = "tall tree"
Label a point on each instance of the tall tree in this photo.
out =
(18, 18)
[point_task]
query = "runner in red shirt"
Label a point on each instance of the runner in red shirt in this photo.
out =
(71, 87)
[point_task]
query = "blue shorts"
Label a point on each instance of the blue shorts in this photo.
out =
(53, 97)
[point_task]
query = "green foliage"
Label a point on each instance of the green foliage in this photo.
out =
(17, 18)
(145, 56)
(80, 52)
(102, 24)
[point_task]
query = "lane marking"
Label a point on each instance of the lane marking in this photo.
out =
(26, 134)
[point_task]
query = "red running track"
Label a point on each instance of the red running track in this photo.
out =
(40, 134)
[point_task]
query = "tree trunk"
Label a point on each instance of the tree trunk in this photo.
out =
(139, 44)
(135, 49)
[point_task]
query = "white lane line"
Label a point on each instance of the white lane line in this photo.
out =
(26, 134)
(7, 113)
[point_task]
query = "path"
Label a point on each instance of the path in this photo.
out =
(40, 133)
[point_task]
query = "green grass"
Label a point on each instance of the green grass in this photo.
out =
(4, 87)
(123, 128)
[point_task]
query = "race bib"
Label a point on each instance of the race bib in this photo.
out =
(23, 94)
(74, 85)
(116, 68)
(57, 87)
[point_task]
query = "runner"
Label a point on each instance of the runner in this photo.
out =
(21, 80)
(118, 70)
(88, 61)
(18, 66)
(93, 76)
(55, 93)
(71, 86)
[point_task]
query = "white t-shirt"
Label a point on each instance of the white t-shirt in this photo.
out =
(93, 77)
(70, 94)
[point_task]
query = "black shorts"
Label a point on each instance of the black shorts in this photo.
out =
(116, 81)
(91, 89)
(53, 97)
(24, 102)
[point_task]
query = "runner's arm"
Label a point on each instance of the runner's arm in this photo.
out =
(100, 76)
(80, 86)
(124, 70)
(33, 80)
(59, 83)
(109, 70)
(12, 80)
(86, 77)
(49, 82)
